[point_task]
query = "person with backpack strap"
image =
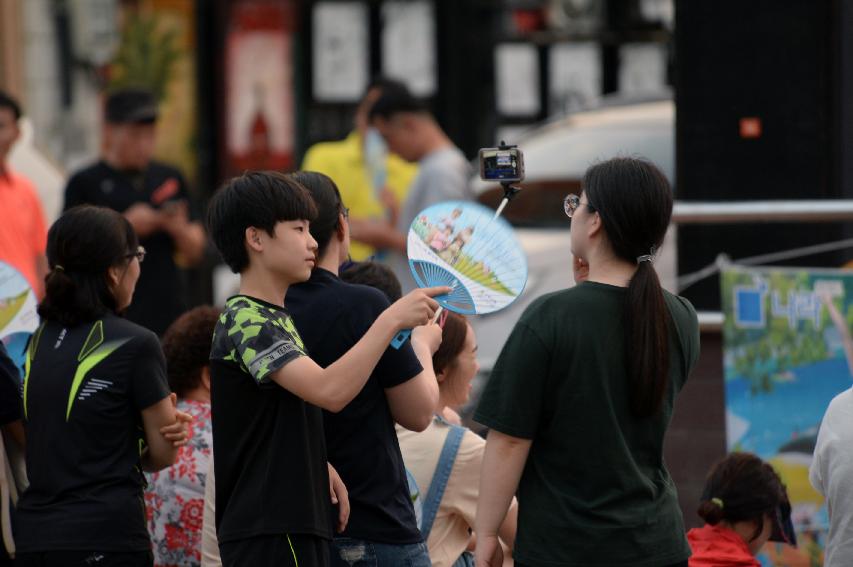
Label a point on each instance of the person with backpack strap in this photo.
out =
(446, 459)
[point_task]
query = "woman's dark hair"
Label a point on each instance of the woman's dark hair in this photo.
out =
(186, 344)
(453, 332)
(329, 206)
(259, 199)
(81, 246)
(634, 201)
(742, 488)
(375, 275)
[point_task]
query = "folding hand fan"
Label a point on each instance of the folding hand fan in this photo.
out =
(469, 248)
(18, 316)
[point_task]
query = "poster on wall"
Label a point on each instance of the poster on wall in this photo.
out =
(156, 50)
(574, 76)
(787, 353)
(259, 128)
(408, 45)
(341, 55)
(517, 79)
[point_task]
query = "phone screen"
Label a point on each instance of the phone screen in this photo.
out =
(501, 165)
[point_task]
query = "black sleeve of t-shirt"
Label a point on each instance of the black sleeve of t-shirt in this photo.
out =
(11, 405)
(149, 384)
(75, 192)
(397, 365)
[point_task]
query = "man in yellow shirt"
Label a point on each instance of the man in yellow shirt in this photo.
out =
(372, 182)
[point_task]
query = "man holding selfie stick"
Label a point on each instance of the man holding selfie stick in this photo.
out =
(412, 133)
(153, 196)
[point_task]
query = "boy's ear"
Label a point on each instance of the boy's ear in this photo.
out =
(253, 239)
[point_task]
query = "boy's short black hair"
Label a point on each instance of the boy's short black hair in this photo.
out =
(381, 82)
(259, 199)
(375, 275)
(6, 101)
(396, 98)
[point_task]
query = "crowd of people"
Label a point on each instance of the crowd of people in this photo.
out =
(282, 429)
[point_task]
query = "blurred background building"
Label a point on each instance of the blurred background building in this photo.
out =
(253, 83)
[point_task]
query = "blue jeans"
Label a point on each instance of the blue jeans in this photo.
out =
(349, 552)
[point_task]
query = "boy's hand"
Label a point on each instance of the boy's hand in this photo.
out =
(340, 496)
(428, 335)
(416, 308)
(179, 432)
(580, 269)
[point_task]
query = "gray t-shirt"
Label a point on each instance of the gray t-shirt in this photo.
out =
(442, 176)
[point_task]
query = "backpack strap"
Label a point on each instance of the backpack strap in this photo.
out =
(440, 478)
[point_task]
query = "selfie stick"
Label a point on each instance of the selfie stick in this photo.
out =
(510, 191)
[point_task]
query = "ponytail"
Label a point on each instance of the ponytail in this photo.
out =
(634, 201)
(646, 341)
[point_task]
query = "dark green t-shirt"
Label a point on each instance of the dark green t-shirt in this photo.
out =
(595, 490)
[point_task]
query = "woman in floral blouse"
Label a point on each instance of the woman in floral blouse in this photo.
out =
(175, 496)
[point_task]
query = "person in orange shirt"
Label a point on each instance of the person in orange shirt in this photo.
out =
(23, 234)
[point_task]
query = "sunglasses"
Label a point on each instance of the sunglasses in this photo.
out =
(139, 254)
(571, 204)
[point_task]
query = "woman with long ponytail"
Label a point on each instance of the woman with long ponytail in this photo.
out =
(580, 398)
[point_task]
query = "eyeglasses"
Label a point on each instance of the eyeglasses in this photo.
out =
(571, 204)
(345, 212)
(139, 254)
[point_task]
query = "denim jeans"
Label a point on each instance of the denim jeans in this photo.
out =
(349, 552)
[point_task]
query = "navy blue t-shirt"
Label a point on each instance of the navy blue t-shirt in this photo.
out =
(331, 316)
(10, 389)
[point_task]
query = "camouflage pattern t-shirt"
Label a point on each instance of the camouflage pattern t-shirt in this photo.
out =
(270, 464)
(258, 336)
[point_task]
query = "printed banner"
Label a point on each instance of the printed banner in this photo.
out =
(787, 353)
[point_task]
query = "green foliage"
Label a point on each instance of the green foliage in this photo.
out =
(146, 56)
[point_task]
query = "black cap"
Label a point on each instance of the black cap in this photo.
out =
(131, 106)
(783, 527)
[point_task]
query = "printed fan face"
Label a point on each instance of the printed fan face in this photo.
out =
(462, 245)
(18, 317)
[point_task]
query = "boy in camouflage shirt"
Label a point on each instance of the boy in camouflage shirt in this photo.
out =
(272, 478)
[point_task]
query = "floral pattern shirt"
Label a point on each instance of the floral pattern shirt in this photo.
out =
(175, 496)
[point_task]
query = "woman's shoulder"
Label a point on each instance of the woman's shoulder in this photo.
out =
(555, 303)
(683, 312)
(116, 328)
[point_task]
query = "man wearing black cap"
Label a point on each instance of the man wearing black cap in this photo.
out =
(152, 196)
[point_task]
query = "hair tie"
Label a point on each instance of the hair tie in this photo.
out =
(718, 502)
(58, 268)
(647, 257)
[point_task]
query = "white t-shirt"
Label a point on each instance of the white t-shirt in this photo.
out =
(831, 474)
(442, 176)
